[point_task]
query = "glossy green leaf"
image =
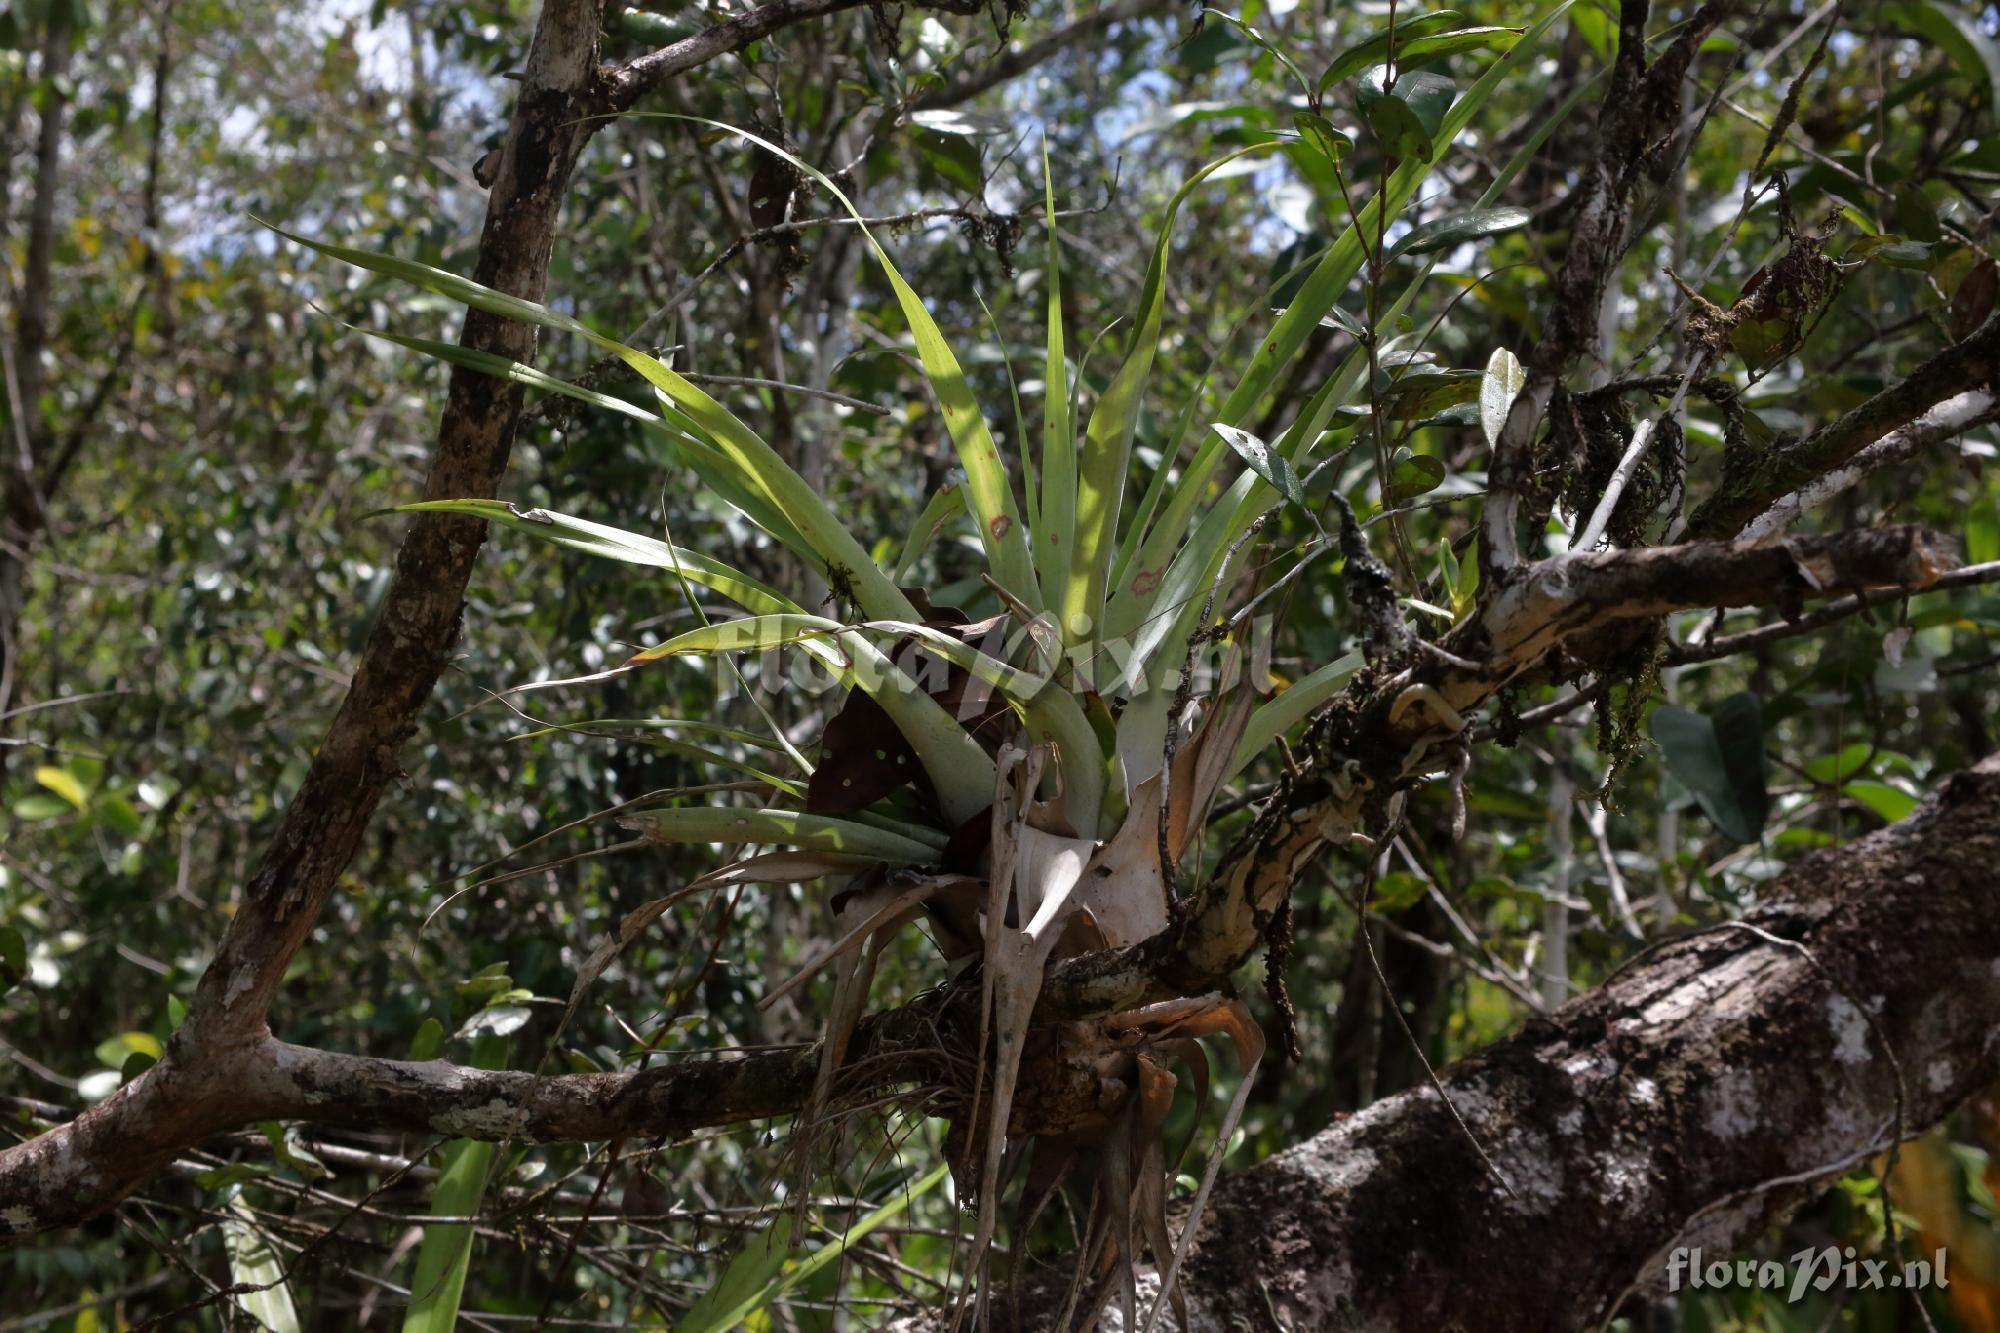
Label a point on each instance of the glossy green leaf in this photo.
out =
(1719, 757)
(788, 828)
(1266, 463)
(1318, 132)
(41, 805)
(1842, 765)
(1458, 228)
(64, 784)
(1374, 49)
(1411, 475)
(1885, 799)
(1407, 118)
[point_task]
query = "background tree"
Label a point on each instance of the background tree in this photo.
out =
(195, 445)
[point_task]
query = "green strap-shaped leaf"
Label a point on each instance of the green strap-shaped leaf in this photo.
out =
(438, 1285)
(947, 504)
(788, 828)
(1317, 295)
(959, 769)
(1107, 452)
(746, 1286)
(1052, 714)
(750, 634)
(759, 1274)
(992, 496)
(257, 1267)
(1055, 535)
(1278, 715)
(759, 467)
(668, 425)
(599, 539)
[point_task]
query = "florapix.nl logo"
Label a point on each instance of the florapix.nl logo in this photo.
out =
(1819, 1269)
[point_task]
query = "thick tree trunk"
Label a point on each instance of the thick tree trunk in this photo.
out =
(1688, 1101)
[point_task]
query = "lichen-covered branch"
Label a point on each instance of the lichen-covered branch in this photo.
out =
(1638, 138)
(1970, 365)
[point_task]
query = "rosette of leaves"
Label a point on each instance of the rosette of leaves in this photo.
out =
(1024, 779)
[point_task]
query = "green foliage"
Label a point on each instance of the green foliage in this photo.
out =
(215, 568)
(1719, 756)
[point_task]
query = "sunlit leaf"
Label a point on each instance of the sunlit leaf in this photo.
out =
(1458, 228)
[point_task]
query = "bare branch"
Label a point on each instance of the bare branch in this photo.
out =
(634, 79)
(1728, 645)
(1970, 365)
(1954, 416)
(1015, 63)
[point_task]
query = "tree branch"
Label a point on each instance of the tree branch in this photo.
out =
(1013, 64)
(1389, 734)
(406, 649)
(1954, 416)
(1970, 365)
(1728, 645)
(1639, 130)
(1666, 1108)
(224, 1072)
(625, 85)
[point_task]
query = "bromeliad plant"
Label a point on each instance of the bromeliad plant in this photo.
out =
(1032, 782)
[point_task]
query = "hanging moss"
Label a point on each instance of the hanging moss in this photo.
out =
(1628, 679)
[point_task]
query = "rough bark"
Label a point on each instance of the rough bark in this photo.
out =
(419, 619)
(1688, 1100)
